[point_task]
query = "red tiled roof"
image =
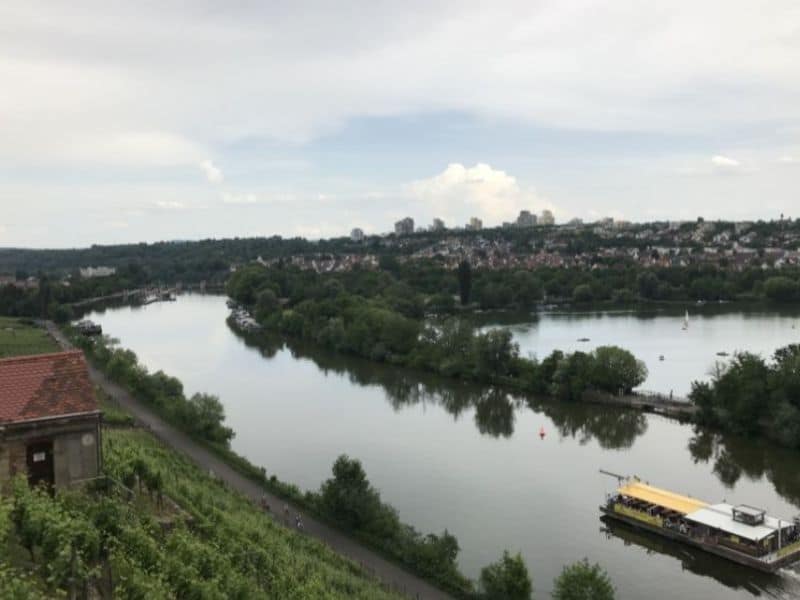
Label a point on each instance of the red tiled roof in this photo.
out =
(44, 385)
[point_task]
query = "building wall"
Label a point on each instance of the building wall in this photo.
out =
(75, 451)
(12, 460)
(75, 457)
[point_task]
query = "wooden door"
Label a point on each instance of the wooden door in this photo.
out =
(40, 463)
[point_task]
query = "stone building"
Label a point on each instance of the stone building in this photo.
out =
(49, 419)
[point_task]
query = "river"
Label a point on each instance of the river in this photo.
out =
(675, 355)
(460, 457)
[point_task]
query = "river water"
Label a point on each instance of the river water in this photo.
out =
(469, 459)
(675, 355)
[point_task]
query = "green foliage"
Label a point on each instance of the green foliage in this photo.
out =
(266, 303)
(750, 396)
(348, 497)
(617, 370)
(202, 415)
(213, 543)
(781, 289)
(582, 293)
(349, 500)
(582, 581)
(18, 585)
(19, 337)
(507, 579)
(464, 282)
(383, 323)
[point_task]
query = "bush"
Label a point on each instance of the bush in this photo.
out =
(507, 579)
(781, 289)
(582, 581)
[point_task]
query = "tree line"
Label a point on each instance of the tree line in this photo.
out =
(382, 320)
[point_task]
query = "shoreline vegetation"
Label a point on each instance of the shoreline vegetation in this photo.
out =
(394, 324)
(390, 327)
(347, 500)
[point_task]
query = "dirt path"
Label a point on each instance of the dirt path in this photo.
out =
(389, 573)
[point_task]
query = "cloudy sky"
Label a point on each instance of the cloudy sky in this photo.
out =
(143, 121)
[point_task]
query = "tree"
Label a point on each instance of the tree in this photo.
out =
(494, 353)
(442, 303)
(741, 391)
(571, 376)
(781, 289)
(617, 370)
(349, 497)
(266, 303)
(464, 281)
(207, 418)
(527, 289)
(582, 293)
(582, 581)
(507, 579)
(648, 285)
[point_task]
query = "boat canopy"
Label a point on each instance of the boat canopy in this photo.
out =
(648, 493)
(720, 516)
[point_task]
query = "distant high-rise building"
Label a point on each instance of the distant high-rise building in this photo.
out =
(357, 234)
(526, 219)
(404, 226)
(547, 218)
(437, 225)
(475, 224)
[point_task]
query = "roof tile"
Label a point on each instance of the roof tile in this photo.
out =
(44, 385)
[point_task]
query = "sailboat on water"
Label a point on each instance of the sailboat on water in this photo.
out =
(686, 321)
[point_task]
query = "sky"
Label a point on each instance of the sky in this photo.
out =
(143, 121)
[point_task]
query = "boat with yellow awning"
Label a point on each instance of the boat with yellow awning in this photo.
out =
(741, 533)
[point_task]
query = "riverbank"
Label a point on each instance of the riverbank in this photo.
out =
(453, 454)
(393, 576)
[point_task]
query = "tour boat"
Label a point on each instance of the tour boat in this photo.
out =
(743, 534)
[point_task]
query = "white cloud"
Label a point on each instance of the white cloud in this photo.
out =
(459, 192)
(725, 162)
(117, 224)
(169, 204)
(213, 173)
(789, 160)
(233, 198)
(561, 65)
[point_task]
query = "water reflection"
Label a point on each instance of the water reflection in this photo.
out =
(696, 561)
(733, 456)
(613, 428)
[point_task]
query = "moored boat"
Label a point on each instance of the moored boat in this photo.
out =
(743, 534)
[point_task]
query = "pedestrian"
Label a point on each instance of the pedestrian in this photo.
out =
(264, 504)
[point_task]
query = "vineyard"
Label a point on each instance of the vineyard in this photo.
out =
(158, 527)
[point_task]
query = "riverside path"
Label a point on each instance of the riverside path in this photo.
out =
(390, 574)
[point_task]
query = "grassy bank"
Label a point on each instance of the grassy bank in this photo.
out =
(23, 336)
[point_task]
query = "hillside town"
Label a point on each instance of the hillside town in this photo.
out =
(527, 244)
